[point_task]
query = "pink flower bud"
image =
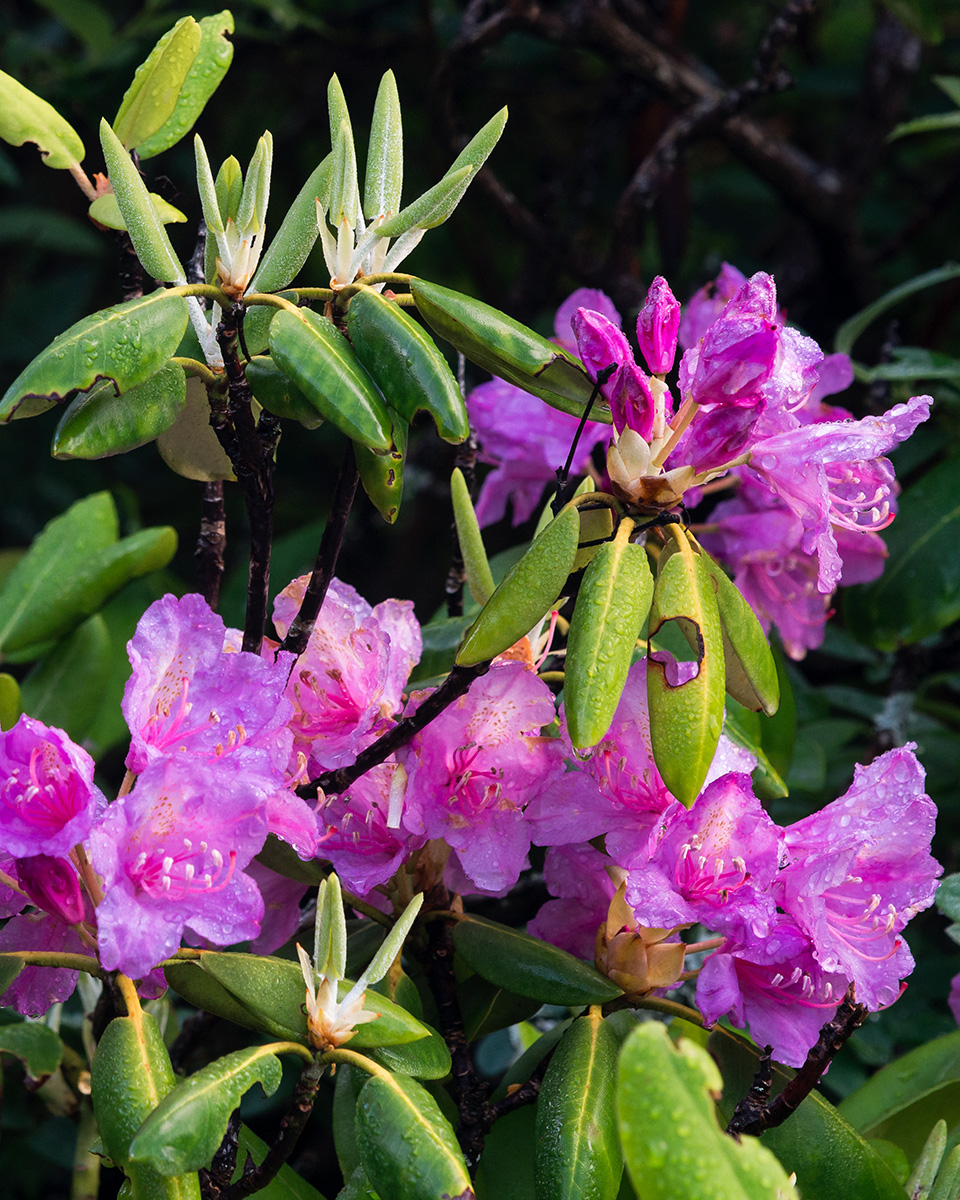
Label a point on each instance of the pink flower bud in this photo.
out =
(53, 885)
(657, 327)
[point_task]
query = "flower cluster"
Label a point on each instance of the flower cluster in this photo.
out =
(811, 488)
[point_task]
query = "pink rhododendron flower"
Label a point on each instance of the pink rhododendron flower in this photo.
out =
(48, 799)
(525, 439)
(859, 870)
(601, 344)
(473, 769)
(776, 986)
(171, 854)
(577, 877)
(348, 683)
(53, 885)
(281, 907)
(187, 694)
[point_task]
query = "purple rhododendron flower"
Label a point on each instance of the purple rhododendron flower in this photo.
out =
(578, 879)
(171, 854)
(601, 344)
(36, 988)
(48, 799)
(281, 907)
(53, 885)
(526, 440)
(188, 694)
(705, 306)
(348, 683)
(364, 839)
(473, 769)
(658, 324)
(859, 870)
(774, 985)
(713, 863)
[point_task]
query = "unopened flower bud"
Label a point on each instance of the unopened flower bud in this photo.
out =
(53, 885)
(657, 326)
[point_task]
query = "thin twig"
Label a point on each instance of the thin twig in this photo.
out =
(466, 460)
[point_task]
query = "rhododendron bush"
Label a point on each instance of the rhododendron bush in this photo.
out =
(536, 878)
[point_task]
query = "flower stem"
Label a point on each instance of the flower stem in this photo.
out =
(688, 410)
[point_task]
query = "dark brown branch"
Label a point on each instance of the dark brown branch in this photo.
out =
(526, 1093)
(454, 686)
(756, 1119)
(215, 1182)
(211, 542)
(466, 460)
(293, 1124)
(326, 564)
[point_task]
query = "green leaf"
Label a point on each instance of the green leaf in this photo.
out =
(427, 1058)
(528, 590)
(903, 1099)
(406, 1145)
(744, 729)
(100, 423)
(130, 1075)
(125, 344)
(24, 117)
(35, 1044)
(152, 97)
(750, 672)
(527, 966)
(933, 123)
(384, 179)
(577, 1148)
(291, 246)
(405, 364)
(947, 1186)
(185, 1130)
(475, 565)
(140, 217)
(65, 688)
(344, 190)
(852, 328)
(506, 1167)
(828, 1155)
(11, 705)
(208, 68)
(920, 1182)
(508, 349)
(382, 474)
(270, 995)
(686, 718)
(285, 1185)
(947, 898)
(485, 1008)
(254, 199)
(612, 605)
(318, 358)
(10, 968)
(673, 1146)
(189, 446)
(919, 591)
(106, 211)
(347, 1086)
(71, 570)
(273, 391)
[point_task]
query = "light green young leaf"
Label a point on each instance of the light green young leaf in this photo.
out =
(925, 1169)
(344, 190)
(24, 117)
(852, 328)
(207, 188)
(106, 211)
(207, 70)
(152, 97)
(432, 208)
(475, 564)
(291, 246)
(384, 179)
(144, 226)
(229, 187)
(382, 960)
(476, 152)
(330, 931)
(256, 187)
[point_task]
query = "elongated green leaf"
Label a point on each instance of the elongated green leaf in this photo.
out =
(921, 1178)
(475, 565)
(686, 717)
(506, 348)
(744, 729)
(189, 446)
(255, 197)
(125, 344)
(750, 671)
(406, 1145)
(344, 189)
(919, 591)
(851, 329)
(24, 117)
(578, 1150)
(152, 97)
(130, 1075)
(208, 68)
(294, 240)
(673, 1145)
(486, 1008)
(384, 178)
(382, 474)
(285, 1185)
(427, 1058)
(100, 423)
(186, 1128)
(527, 966)
(828, 1155)
(527, 591)
(933, 123)
(71, 569)
(35, 1044)
(11, 705)
(405, 364)
(106, 211)
(320, 361)
(612, 605)
(140, 217)
(268, 994)
(273, 391)
(66, 687)
(432, 208)
(476, 152)
(947, 1186)
(10, 968)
